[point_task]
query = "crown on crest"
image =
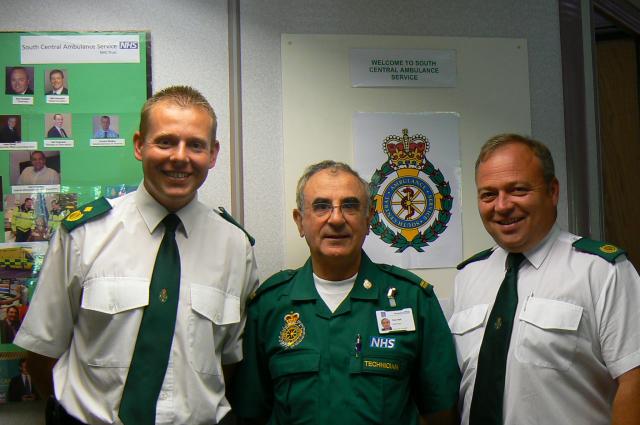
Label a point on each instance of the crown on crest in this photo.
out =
(291, 318)
(406, 152)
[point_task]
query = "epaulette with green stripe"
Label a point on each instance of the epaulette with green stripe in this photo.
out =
(86, 213)
(482, 255)
(407, 275)
(601, 249)
(275, 280)
(224, 214)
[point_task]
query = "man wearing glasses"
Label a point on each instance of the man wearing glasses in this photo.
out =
(315, 349)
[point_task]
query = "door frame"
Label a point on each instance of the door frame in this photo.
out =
(582, 139)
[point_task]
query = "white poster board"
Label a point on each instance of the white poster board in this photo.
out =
(412, 162)
(491, 96)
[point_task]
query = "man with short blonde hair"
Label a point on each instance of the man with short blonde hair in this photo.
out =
(140, 303)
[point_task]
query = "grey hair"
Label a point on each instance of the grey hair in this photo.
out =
(334, 167)
(539, 149)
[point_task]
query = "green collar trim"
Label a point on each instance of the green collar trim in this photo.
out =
(365, 288)
(304, 290)
(224, 214)
(482, 255)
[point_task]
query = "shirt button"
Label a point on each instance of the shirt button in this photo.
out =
(218, 317)
(162, 396)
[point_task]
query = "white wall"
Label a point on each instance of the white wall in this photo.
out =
(189, 46)
(263, 22)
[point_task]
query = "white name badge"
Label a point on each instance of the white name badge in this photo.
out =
(57, 98)
(395, 321)
(23, 100)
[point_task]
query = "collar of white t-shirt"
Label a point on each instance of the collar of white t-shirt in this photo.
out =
(333, 292)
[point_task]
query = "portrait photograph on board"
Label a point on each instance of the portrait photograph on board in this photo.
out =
(55, 82)
(106, 127)
(35, 168)
(10, 128)
(19, 80)
(57, 125)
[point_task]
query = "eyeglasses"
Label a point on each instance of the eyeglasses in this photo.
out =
(323, 209)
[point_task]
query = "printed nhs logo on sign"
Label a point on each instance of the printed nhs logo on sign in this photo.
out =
(382, 342)
(128, 44)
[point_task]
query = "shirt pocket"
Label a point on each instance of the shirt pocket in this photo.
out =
(467, 327)
(548, 333)
(212, 310)
(295, 386)
(109, 319)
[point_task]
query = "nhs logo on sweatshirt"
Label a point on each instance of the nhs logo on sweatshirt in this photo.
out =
(382, 342)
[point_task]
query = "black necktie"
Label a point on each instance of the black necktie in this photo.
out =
(62, 132)
(105, 134)
(488, 393)
(153, 344)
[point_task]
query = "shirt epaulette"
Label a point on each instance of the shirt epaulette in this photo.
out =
(86, 213)
(602, 249)
(407, 275)
(275, 280)
(224, 214)
(482, 255)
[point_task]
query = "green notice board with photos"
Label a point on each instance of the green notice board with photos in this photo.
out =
(69, 106)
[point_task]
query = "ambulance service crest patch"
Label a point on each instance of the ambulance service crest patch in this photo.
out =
(292, 332)
(412, 199)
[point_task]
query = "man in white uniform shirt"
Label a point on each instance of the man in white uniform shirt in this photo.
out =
(97, 286)
(572, 343)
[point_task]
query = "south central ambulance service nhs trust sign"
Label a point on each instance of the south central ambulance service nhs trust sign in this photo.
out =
(98, 48)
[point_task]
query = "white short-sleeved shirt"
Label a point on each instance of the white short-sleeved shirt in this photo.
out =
(576, 329)
(89, 303)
